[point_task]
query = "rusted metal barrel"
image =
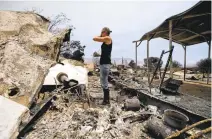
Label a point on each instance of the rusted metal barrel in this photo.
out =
(132, 104)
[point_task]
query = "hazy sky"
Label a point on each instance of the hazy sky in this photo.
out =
(128, 21)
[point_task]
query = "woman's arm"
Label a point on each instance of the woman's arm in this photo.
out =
(105, 39)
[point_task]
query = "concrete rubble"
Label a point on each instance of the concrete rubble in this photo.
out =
(27, 51)
(11, 115)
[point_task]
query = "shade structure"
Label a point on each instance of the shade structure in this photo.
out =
(190, 27)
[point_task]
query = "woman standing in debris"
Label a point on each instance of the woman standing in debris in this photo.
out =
(105, 61)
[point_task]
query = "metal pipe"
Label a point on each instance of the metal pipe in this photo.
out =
(136, 55)
(184, 62)
(170, 46)
(148, 60)
(63, 78)
(209, 56)
(209, 49)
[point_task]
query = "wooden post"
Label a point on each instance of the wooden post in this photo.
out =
(148, 59)
(170, 46)
(184, 62)
(136, 56)
(209, 56)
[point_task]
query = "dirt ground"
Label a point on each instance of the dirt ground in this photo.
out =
(197, 89)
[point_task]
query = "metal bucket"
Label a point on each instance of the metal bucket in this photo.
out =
(175, 119)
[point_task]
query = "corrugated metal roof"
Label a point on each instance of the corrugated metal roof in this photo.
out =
(190, 27)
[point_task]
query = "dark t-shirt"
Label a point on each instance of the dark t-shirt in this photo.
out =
(106, 53)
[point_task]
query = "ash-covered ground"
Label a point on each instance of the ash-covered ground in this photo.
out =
(72, 118)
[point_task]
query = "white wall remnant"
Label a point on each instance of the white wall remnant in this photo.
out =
(11, 115)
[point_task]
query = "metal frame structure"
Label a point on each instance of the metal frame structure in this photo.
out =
(187, 28)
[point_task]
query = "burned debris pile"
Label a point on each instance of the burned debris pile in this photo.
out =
(70, 117)
(137, 82)
(80, 115)
(59, 99)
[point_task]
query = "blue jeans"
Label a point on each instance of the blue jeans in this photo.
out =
(104, 72)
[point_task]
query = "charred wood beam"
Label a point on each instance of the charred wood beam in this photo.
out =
(196, 15)
(194, 36)
(137, 41)
(29, 126)
(176, 41)
(180, 33)
(184, 29)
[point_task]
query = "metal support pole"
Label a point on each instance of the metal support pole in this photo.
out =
(184, 62)
(170, 46)
(209, 49)
(209, 56)
(136, 55)
(148, 59)
(122, 61)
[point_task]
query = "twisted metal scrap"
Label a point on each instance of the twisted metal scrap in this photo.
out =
(176, 134)
(199, 134)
